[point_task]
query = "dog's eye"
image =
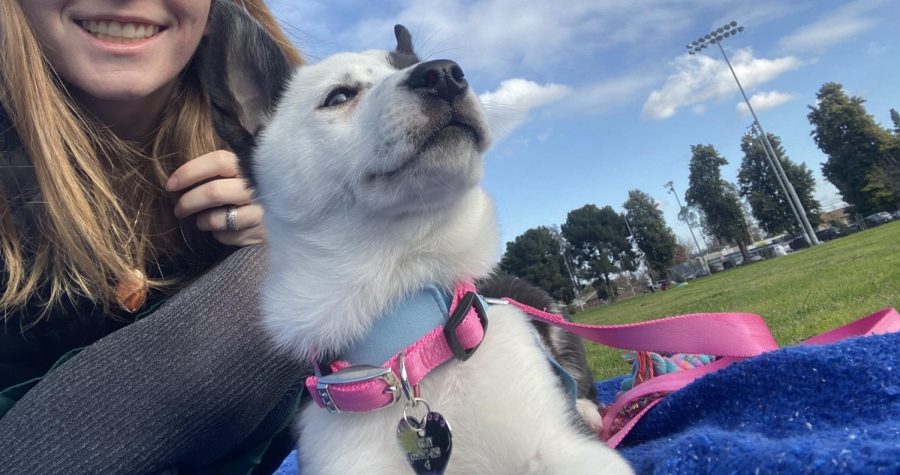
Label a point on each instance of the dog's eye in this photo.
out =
(339, 96)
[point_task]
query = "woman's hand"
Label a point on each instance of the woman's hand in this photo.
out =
(214, 185)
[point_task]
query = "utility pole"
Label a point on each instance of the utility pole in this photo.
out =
(753, 134)
(671, 187)
(715, 37)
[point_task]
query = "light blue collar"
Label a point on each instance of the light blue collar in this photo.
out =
(402, 325)
(408, 321)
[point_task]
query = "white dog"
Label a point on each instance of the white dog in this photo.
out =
(368, 166)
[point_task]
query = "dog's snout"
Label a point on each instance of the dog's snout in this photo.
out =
(442, 77)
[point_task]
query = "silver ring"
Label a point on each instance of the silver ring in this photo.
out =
(231, 218)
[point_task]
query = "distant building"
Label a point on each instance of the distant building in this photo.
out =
(840, 214)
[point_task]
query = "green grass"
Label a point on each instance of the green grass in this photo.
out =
(800, 295)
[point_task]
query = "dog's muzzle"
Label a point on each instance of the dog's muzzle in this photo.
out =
(442, 78)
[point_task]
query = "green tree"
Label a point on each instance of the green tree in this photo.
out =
(895, 118)
(536, 256)
(858, 149)
(683, 251)
(716, 198)
(693, 217)
(651, 234)
(598, 242)
(758, 184)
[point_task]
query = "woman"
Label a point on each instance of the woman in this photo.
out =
(119, 219)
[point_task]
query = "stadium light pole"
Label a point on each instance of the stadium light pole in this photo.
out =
(715, 37)
(671, 187)
(640, 252)
(562, 250)
(754, 135)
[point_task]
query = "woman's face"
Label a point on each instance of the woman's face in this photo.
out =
(118, 53)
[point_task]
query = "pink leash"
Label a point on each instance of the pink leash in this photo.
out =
(730, 336)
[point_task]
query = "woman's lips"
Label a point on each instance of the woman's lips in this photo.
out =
(119, 32)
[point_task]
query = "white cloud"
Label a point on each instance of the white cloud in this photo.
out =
(700, 78)
(507, 107)
(845, 22)
(605, 95)
(495, 38)
(764, 100)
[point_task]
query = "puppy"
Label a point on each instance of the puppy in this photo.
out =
(565, 348)
(368, 166)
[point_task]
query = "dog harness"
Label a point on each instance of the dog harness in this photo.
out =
(730, 337)
(356, 385)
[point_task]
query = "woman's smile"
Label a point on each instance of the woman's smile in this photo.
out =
(112, 31)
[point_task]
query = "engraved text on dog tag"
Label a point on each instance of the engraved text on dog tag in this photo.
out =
(427, 448)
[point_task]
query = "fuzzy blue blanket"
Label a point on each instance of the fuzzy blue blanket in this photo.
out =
(804, 409)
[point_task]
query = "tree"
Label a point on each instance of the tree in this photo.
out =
(693, 217)
(895, 118)
(716, 198)
(536, 256)
(598, 242)
(758, 184)
(651, 234)
(856, 147)
(683, 251)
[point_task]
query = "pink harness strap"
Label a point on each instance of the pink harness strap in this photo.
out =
(732, 336)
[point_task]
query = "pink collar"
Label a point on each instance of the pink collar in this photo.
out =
(365, 388)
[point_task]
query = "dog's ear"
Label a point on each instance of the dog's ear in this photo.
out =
(404, 56)
(244, 73)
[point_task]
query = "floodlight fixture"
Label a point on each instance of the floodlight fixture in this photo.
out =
(715, 37)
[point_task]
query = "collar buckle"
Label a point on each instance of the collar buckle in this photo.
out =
(356, 374)
(469, 300)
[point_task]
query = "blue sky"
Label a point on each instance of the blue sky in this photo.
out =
(590, 99)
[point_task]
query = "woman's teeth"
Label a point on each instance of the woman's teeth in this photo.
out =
(116, 32)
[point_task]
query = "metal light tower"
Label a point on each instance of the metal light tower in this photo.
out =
(640, 253)
(715, 37)
(671, 187)
(562, 251)
(754, 135)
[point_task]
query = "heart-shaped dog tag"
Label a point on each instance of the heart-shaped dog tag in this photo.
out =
(427, 445)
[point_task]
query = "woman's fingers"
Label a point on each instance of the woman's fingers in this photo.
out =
(212, 194)
(218, 164)
(211, 184)
(246, 217)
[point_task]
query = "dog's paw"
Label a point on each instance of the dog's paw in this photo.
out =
(590, 413)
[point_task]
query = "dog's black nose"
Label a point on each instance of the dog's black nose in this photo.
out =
(440, 77)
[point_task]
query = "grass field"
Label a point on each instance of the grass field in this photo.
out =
(800, 295)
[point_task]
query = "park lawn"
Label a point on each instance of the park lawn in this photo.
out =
(800, 295)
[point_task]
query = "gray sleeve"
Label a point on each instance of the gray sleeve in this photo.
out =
(186, 384)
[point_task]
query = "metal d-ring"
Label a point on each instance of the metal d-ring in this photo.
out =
(412, 399)
(416, 424)
(404, 381)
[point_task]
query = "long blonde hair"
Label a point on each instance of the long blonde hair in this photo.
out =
(105, 210)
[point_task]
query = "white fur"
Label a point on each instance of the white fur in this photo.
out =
(348, 238)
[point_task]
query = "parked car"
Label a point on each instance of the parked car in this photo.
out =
(779, 250)
(895, 214)
(828, 233)
(878, 218)
(798, 243)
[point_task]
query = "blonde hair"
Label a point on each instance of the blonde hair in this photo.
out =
(105, 209)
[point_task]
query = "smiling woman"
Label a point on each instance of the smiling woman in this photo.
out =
(118, 203)
(111, 72)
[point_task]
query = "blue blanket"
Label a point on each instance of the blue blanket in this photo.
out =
(804, 409)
